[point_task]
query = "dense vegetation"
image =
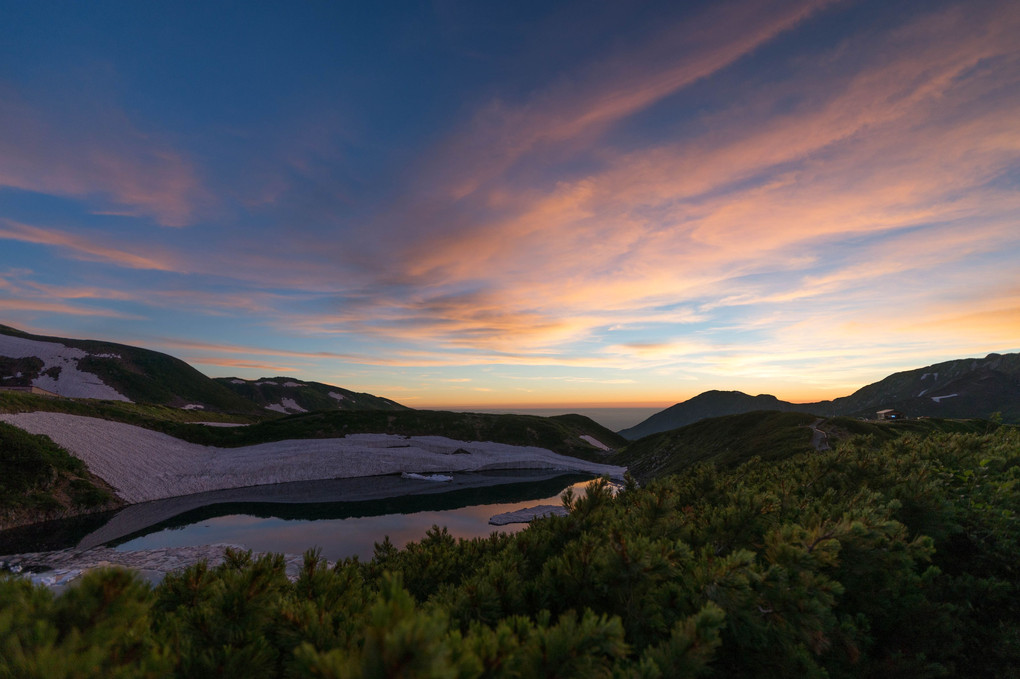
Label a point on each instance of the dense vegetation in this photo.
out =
(40, 479)
(875, 559)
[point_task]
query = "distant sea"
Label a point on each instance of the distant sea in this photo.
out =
(610, 418)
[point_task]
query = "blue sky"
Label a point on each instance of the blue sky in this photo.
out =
(460, 203)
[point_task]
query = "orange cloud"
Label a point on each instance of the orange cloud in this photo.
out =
(911, 138)
(246, 350)
(60, 308)
(84, 247)
(99, 156)
(608, 91)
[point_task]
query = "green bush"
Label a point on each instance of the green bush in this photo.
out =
(36, 470)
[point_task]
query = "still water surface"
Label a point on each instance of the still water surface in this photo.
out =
(344, 529)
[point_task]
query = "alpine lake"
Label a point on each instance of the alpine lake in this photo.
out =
(342, 517)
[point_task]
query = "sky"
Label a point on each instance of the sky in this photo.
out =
(517, 203)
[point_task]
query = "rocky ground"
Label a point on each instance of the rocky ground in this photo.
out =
(61, 568)
(527, 514)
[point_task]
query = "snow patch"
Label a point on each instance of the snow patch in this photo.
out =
(193, 406)
(337, 396)
(935, 375)
(70, 382)
(239, 381)
(598, 444)
(286, 406)
(292, 405)
(938, 399)
(54, 578)
(275, 384)
(923, 392)
(426, 477)
(294, 384)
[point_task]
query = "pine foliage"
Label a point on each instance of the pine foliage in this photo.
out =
(888, 560)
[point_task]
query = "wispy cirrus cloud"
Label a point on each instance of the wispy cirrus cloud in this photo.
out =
(573, 112)
(90, 247)
(43, 306)
(886, 146)
(92, 151)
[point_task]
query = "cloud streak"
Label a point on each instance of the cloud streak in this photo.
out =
(86, 247)
(915, 137)
(94, 152)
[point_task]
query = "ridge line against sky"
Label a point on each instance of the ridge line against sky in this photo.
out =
(539, 203)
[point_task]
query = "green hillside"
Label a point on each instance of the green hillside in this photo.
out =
(145, 376)
(42, 480)
(150, 416)
(151, 377)
(727, 441)
(288, 394)
(770, 435)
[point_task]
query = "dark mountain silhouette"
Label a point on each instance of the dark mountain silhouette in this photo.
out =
(707, 404)
(962, 388)
(291, 395)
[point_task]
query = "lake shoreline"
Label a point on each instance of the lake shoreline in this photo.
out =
(59, 568)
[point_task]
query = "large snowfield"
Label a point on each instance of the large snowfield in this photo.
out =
(146, 465)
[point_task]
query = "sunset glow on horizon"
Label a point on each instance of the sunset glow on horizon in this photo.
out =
(523, 204)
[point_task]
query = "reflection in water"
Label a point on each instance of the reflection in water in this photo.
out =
(345, 529)
(50, 535)
(343, 517)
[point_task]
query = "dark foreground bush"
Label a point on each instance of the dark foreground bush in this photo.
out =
(37, 476)
(856, 562)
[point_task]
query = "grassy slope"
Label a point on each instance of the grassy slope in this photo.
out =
(727, 441)
(770, 435)
(150, 416)
(310, 396)
(41, 480)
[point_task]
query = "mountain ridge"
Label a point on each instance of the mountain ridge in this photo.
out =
(289, 395)
(959, 388)
(78, 368)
